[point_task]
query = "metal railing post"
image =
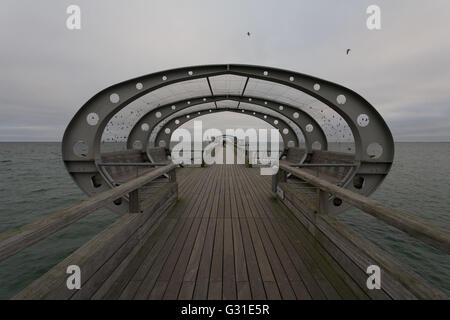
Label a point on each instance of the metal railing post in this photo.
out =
(134, 206)
(172, 175)
(323, 201)
(275, 182)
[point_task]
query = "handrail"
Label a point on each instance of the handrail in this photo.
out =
(18, 239)
(320, 165)
(433, 236)
(131, 164)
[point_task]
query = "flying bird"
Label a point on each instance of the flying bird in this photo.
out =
(248, 34)
(348, 51)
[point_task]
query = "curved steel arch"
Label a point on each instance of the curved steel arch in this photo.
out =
(82, 137)
(298, 116)
(172, 124)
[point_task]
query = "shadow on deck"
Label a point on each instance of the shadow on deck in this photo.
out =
(228, 238)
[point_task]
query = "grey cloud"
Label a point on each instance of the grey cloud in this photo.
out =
(48, 72)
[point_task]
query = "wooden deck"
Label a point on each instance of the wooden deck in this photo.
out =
(227, 238)
(219, 233)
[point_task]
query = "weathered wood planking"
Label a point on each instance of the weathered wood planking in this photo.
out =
(229, 238)
(128, 282)
(16, 240)
(434, 236)
(412, 282)
(309, 253)
(95, 254)
(355, 254)
(399, 281)
(224, 240)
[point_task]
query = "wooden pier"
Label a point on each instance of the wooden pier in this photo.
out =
(226, 231)
(220, 232)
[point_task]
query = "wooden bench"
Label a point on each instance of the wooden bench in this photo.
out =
(158, 155)
(331, 174)
(122, 174)
(294, 155)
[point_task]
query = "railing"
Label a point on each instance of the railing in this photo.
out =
(16, 240)
(433, 236)
(322, 165)
(131, 164)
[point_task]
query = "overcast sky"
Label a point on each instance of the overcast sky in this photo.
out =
(48, 72)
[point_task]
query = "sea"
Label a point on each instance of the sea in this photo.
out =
(34, 183)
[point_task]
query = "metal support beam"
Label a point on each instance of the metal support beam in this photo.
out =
(374, 144)
(301, 119)
(210, 89)
(174, 123)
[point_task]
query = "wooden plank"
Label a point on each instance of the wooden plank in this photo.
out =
(143, 261)
(331, 284)
(320, 277)
(395, 290)
(215, 280)
(176, 279)
(163, 266)
(310, 288)
(313, 255)
(138, 270)
(117, 285)
(263, 262)
(125, 253)
(178, 272)
(187, 290)
(433, 236)
(344, 285)
(158, 290)
(286, 291)
(215, 290)
(254, 274)
(148, 267)
(348, 280)
(409, 279)
(240, 263)
(278, 272)
(243, 290)
(92, 255)
(229, 278)
(255, 202)
(167, 258)
(201, 284)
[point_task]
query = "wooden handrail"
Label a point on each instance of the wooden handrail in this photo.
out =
(433, 236)
(18, 239)
(131, 164)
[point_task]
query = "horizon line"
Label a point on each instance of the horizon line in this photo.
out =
(53, 141)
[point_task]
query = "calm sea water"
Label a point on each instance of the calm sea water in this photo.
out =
(34, 183)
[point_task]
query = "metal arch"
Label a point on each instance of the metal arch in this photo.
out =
(302, 120)
(102, 107)
(182, 118)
